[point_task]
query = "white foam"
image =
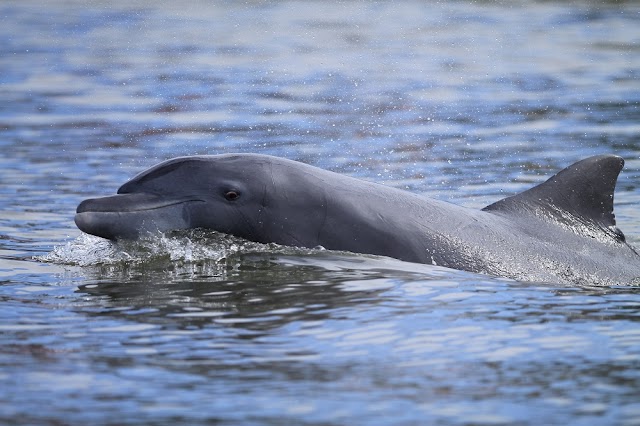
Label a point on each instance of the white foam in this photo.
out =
(186, 246)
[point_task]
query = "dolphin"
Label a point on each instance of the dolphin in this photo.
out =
(561, 231)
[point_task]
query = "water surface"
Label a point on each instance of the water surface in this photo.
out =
(463, 101)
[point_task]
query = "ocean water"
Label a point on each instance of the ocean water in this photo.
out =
(462, 101)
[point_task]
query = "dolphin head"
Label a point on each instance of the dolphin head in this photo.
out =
(226, 193)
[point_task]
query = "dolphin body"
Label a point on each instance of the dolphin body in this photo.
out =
(561, 231)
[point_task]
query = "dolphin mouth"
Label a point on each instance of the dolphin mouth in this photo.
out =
(122, 203)
(127, 216)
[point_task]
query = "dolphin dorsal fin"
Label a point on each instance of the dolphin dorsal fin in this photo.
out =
(582, 192)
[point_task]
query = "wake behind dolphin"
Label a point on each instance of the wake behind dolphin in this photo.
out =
(562, 230)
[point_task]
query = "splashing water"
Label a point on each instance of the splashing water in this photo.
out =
(179, 246)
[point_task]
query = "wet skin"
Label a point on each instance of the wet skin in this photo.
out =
(563, 230)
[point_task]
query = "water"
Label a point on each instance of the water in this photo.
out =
(463, 101)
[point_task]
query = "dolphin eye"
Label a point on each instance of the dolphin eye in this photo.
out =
(231, 195)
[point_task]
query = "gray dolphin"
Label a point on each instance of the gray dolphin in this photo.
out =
(562, 230)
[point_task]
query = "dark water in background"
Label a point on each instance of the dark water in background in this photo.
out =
(466, 102)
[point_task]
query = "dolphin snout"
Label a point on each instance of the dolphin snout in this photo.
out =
(127, 216)
(97, 224)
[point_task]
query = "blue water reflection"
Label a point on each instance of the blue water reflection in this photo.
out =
(466, 102)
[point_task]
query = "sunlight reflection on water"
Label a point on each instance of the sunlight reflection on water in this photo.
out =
(460, 101)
